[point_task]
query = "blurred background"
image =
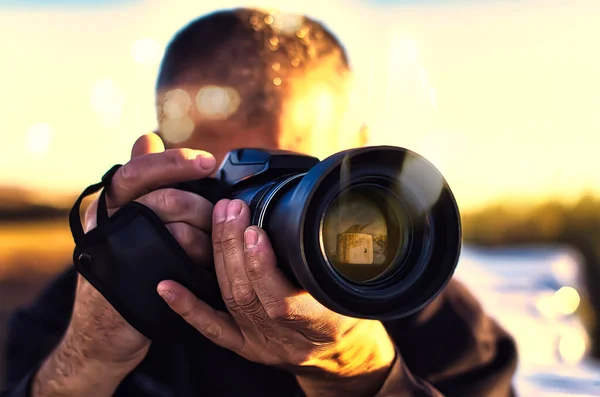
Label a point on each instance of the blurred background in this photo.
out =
(502, 96)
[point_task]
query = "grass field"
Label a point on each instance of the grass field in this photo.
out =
(41, 247)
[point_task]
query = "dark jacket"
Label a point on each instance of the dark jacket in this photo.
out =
(451, 348)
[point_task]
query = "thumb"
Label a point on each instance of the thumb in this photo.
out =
(149, 143)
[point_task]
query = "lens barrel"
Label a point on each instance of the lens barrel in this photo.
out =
(373, 232)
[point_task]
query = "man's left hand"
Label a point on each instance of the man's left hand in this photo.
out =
(273, 323)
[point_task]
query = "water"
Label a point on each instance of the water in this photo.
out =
(533, 292)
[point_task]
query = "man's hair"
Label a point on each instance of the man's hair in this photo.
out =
(253, 51)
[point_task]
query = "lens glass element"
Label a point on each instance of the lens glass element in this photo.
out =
(355, 234)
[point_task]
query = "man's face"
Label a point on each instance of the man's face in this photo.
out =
(314, 118)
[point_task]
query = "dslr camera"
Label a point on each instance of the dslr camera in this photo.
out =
(372, 232)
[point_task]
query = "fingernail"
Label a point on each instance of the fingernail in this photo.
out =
(167, 296)
(233, 209)
(205, 160)
(250, 238)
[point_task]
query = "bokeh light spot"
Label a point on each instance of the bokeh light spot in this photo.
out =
(177, 130)
(571, 348)
(216, 102)
(176, 104)
(288, 22)
(566, 300)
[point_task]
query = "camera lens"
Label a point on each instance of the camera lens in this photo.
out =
(371, 232)
(361, 234)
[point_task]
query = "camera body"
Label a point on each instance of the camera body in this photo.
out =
(372, 232)
(246, 173)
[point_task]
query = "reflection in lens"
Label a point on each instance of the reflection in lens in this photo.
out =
(355, 236)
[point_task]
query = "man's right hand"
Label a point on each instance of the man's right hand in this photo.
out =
(99, 347)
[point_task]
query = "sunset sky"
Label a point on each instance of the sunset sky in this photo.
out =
(502, 96)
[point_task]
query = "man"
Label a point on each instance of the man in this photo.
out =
(244, 78)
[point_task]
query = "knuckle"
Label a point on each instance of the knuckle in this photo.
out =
(173, 201)
(254, 268)
(230, 302)
(179, 158)
(188, 313)
(216, 239)
(229, 243)
(253, 309)
(129, 172)
(212, 331)
(244, 294)
(216, 245)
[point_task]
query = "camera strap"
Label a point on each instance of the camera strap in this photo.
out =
(128, 254)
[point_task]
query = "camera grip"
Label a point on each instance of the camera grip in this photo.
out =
(128, 254)
(126, 258)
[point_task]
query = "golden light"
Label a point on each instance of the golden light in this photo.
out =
(146, 51)
(177, 130)
(301, 33)
(176, 125)
(214, 102)
(288, 22)
(494, 97)
(572, 348)
(269, 19)
(176, 104)
(566, 300)
(107, 101)
(38, 138)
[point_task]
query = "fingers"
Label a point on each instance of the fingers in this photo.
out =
(231, 252)
(172, 205)
(149, 143)
(217, 326)
(149, 171)
(219, 215)
(268, 281)
(194, 242)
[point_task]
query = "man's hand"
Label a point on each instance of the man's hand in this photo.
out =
(100, 348)
(273, 323)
